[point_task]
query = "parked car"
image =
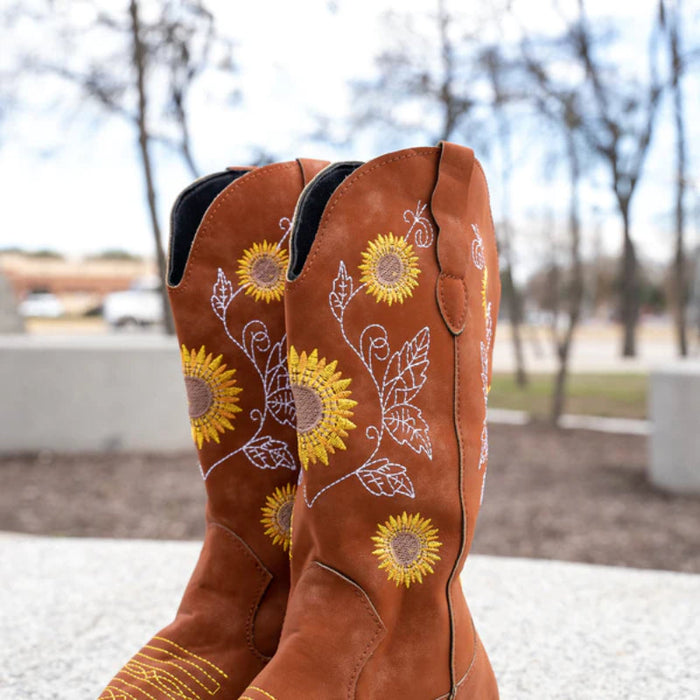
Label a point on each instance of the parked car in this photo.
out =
(140, 306)
(41, 305)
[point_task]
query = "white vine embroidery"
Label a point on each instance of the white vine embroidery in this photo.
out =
(270, 363)
(420, 226)
(398, 378)
(479, 260)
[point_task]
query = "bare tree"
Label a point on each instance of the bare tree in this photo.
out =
(563, 340)
(671, 17)
(561, 107)
(618, 123)
(172, 47)
(139, 64)
(496, 69)
(419, 90)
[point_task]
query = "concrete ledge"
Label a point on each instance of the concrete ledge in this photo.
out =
(674, 404)
(84, 394)
(73, 611)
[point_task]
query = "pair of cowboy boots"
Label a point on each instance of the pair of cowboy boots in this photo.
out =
(336, 326)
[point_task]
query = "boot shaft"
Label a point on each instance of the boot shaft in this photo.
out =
(390, 316)
(228, 261)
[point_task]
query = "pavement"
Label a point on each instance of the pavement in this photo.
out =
(601, 424)
(596, 349)
(73, 610)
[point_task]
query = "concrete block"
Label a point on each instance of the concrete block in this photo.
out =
(91, 394)
(674, 408)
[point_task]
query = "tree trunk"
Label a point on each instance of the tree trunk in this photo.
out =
(577, 284)
(629, 307)
(139, 59)
(512, 299)
(679, 277)
(559, 389)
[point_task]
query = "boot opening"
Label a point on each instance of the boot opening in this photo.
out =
(310, 208)
(188, 211)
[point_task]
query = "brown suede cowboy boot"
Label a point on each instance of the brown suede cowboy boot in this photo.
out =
(228, 261)
(390, 320)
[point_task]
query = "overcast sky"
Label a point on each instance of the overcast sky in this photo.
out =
(73, 186)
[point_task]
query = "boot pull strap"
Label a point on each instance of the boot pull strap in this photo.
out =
(310, 167)
(450, 207)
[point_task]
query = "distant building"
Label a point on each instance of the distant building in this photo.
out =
(81, 284)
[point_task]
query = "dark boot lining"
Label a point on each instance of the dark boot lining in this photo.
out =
(187, 213)
(310, 208)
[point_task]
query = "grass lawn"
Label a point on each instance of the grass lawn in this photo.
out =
(614, 395)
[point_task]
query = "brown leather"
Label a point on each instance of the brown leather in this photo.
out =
(229, 621)
(419, 370)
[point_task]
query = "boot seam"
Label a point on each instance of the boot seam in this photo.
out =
(266, 579)
(464, 534)
(376, 620)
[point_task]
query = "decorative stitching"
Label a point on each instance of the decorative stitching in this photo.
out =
(421, 228)
(405, 373)
(346, 186)
(264, 692)
(479, 260)
(270, 363)
(205, 229)
(211, 392)
(323, 406)
(131, 685)
(407, 547)
(149, 669)
(277, 515)
(389, 269)
(195, 656)
(261, 271)
(109, 694)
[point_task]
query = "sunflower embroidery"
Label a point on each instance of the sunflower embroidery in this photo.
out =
(407, 547)
(262, 269)
(389, 269)
(277, 515)
(212, 394)
(323, 406)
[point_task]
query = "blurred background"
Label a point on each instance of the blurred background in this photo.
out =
(586, 117)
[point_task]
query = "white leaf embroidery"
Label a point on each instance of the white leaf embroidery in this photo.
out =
(277, 388)
(341, 292)
(406, 425)
(405, 374)
(222, 293)
(383, 478)
(266, 453)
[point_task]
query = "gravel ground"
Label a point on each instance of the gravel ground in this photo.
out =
(571, 495)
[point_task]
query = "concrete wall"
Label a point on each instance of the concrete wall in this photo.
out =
(118, 392)
(675, 439)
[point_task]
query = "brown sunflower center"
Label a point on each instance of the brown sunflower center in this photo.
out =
(389, 269)
(284, 516)
(309, 408)
(199, 396)
(405, 546)
(265, 271)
